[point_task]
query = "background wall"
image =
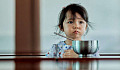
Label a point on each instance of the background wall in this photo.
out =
(104, 15)
(7, 26)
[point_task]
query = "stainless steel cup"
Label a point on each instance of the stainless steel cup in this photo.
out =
(85, 47)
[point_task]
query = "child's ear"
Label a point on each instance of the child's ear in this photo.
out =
(61, 28)
(86, 26)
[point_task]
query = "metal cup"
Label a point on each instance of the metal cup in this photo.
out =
(85, 47)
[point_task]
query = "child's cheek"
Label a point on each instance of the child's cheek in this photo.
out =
(83, 30)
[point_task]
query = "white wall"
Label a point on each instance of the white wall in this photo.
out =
(7, 26)
(105, 15)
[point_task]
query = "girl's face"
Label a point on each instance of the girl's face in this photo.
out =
(74, 28)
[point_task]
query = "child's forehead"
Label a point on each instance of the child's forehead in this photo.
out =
(75, 15)
(69, 14)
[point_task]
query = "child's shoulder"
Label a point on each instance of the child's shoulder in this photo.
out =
(62, 45)
(59, 44)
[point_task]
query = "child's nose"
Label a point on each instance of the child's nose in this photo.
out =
(76, 25)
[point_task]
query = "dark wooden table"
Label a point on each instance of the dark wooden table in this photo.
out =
(25, 62)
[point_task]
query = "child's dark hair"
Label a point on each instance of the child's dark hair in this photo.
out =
(73, 8)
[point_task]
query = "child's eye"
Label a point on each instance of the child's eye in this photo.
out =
(81, 22)
(70, 22)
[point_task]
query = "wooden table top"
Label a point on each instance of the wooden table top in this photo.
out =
(28, 62)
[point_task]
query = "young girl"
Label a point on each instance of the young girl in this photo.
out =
(73, 21)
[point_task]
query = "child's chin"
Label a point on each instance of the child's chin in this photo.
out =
(77, 38)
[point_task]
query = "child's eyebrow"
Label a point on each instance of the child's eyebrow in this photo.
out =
(70, 18)
(77, 18)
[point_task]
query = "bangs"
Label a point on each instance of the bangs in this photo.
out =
(71, 14)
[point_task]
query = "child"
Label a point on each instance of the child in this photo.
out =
(73, 21)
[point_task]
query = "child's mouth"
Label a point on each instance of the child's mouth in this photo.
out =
(76, 32)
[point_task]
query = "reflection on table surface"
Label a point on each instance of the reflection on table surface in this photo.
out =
(60, 64)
